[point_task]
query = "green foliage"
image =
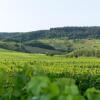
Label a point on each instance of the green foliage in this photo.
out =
(92, 94)
(69, 32)
(85, 53)
(42, 88)
(21, 77)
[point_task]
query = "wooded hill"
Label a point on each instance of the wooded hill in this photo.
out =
(62, 40)
(69, 32)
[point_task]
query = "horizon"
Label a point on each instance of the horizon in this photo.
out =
(52, 28)
(33, 15)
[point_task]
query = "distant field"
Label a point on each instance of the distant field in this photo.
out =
(78, 43)
(54, 46)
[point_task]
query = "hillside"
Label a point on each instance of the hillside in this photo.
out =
(54, 41)
(69, 32)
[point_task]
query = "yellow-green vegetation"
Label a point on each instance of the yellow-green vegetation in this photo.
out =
(17, 72)
(76, 44)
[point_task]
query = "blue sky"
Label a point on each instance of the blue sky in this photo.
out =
(30, 15)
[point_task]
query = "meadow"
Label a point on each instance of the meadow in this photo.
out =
(17, 70)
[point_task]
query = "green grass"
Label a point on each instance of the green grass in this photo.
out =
(60, 46)
(76, 44)
(16, 68)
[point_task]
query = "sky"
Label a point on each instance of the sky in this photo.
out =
(31, 15)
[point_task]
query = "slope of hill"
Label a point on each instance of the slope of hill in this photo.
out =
(69, 32)
(54, 41)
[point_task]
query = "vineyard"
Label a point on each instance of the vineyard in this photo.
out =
(26, 76)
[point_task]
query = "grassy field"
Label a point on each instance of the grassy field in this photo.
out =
(17, 69)
(76, 44)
